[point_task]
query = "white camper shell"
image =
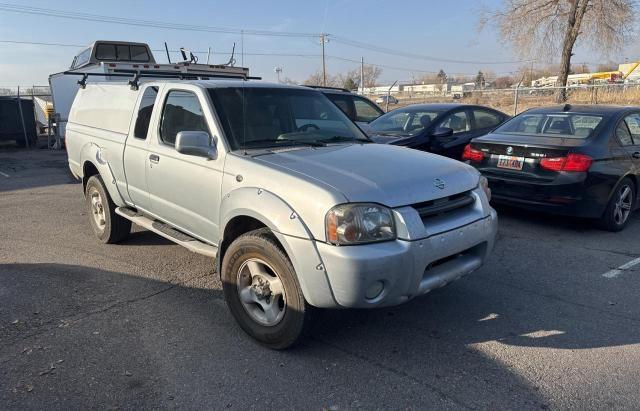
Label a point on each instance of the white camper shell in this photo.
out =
(118, 61)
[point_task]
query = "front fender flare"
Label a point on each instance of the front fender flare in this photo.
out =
(264, 206)
(291, 232)
(97, 156)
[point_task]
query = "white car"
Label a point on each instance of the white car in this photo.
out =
(383, 100)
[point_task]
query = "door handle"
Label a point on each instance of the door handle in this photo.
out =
(154, 158)
(636, 154)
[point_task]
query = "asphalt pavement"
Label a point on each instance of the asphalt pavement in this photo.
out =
(545, 323)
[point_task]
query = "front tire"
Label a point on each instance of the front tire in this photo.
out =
(262, 291)
(616, 215)
(108, 226)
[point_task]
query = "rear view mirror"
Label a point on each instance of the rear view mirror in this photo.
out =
(196, 143)
(442, 132)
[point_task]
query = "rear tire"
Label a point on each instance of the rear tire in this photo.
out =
(262, 291)
(617, 214)
(108, 226)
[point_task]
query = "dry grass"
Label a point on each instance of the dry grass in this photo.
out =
(504, 101)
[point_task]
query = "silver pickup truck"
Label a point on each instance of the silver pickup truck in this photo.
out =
(298, 207)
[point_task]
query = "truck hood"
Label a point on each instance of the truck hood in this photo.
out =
(389, 175)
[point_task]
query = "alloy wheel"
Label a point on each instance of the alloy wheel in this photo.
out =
(261, 292)
(623, 205)
(97, 208)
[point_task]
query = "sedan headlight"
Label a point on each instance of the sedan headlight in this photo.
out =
(484, 184)
(348, 224)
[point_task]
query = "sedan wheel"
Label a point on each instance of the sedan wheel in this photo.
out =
(623, 205)
(616, 215)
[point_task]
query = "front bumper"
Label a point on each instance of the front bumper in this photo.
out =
(406, 268)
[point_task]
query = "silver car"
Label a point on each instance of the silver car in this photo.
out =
(298, 206)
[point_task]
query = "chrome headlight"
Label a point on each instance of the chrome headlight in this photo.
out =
(348, 224)
(484, 184)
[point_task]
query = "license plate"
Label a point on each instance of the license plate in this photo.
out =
(511, 162)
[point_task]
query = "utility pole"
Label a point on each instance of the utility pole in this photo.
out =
(278, 70)
(242, 48)
(389, 94)
(362, 75)
(323, 39)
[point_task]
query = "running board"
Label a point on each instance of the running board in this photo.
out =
(168, 232)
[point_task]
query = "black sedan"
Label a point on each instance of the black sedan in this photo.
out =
(581, 161)
(438, 128)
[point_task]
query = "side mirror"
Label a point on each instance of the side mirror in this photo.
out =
(196, 143)
(442, 132)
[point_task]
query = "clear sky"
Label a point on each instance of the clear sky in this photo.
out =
(442, 29)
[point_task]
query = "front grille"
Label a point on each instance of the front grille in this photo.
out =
(444, 205)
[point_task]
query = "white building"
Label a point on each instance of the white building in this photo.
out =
(381, 90)
(432, 89)
(462, 90)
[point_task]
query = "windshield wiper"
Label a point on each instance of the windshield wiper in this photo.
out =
(279, 142)
(339, 139)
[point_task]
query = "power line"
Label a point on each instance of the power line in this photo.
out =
(265, 54)
(384, 50)
(37, 43)
(271, 54)
(16, 8)
(407, 69)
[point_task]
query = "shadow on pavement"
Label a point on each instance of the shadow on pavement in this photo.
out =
(23, 168)
(79, 336)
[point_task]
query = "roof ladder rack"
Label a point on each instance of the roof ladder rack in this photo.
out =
(138, 74)
(133, 83)
(83, 81)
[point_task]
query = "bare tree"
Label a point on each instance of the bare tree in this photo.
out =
(609, 66)
(545, 28)
(347, 80)
(580, 69)
(371, 75)
(317, 79)
(503, 82)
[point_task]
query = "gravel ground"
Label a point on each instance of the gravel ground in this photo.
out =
(143, 324)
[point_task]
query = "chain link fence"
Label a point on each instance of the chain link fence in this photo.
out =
(516, 100)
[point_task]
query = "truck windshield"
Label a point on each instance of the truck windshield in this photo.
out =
(568, 125)
(257, 117)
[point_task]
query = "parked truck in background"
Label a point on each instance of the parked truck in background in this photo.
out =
(299, 208)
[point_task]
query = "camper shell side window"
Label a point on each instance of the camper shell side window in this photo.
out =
(82, 58)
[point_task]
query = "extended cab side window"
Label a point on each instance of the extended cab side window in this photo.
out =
(144, 112)
(182, 112)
